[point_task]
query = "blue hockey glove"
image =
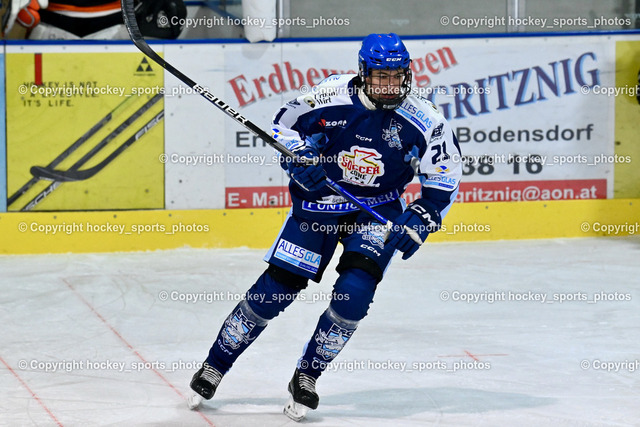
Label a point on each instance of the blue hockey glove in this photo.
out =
(413, 226)
(308, 175)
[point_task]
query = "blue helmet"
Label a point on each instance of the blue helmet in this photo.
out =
(385, 52)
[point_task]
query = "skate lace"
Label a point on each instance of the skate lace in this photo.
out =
(211, 374)
(307, 383)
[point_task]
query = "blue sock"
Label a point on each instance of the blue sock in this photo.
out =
(265, 300)
(330, 336)
(353, 294)
(238, 331)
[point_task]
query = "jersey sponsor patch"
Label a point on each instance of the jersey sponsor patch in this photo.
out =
(437, 132)
(298, 256)
(338, 204)
(293, 103)
(413, 119)
(309, 101)
(442, 181)
(332, 123)
(361, 166)
(417, 116)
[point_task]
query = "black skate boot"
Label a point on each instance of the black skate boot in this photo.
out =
(303, 396)
(204, 383)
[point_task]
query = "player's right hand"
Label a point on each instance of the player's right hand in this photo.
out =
(412, 227)
(307, 171)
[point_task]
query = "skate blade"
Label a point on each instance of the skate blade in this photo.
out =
(294, 410)
(194, 401)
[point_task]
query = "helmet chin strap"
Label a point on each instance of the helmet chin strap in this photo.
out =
(370, 103)
(365, 99)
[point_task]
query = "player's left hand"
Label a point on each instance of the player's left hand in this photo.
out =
(412, 227)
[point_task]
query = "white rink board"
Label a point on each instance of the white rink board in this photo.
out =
(193, 128)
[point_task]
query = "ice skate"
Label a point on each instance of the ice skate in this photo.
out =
(303, 396)
(204, 384)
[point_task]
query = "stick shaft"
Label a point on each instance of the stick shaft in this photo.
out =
(129, 16)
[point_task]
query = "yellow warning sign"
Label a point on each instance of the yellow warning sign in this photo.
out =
(85, 131)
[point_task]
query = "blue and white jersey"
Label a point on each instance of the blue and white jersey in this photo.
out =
(369, 152)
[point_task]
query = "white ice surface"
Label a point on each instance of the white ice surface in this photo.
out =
(110, 308)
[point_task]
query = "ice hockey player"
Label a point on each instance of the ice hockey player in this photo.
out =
(370, 134)
(93, 19)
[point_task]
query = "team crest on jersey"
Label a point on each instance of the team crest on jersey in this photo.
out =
(236, 330)
(392, 135)
(361, 166)
(332, 341)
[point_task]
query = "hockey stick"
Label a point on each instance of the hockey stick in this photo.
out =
(80, 175)
(66, 153)
(76, 166)
(129, 15)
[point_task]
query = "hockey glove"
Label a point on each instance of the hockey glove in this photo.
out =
(419, 217)
(162, 19)
(25, 13)
(309, 175)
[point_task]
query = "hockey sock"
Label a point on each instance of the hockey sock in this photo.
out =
(330, 336)
(353, 293)
(265, 300)
(238, 331)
